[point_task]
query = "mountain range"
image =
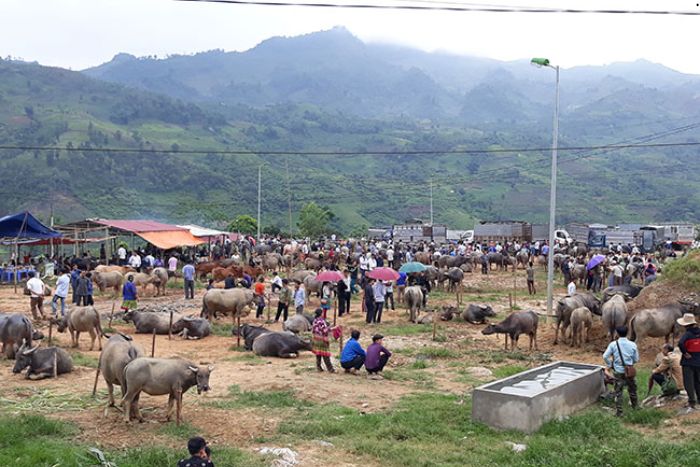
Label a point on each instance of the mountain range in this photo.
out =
(195, 128)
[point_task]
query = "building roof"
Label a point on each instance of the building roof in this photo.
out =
(199, 231)
(137, 226)
(25, 225)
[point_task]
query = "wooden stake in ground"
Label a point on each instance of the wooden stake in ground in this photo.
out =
(335, 309)
(238, 333)
(50, 331)
(170, 328)
(153, 344)
(434, 325)
(510, 301)
(515, 289)
(111, 314)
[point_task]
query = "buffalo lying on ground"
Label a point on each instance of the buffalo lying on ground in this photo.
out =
(192, 328)
(477, 314)
(279, 344)
(42, 363)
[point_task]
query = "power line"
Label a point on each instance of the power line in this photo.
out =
(451, 7)
(344, 153)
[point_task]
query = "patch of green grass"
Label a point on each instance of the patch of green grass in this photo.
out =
(184, 431)
(420, 364)
(80, 359)
(507, 370)
(436, 429)
(248, 358)
(268, 399)
(221, 329)
(407, 375)
(405, 329)
(645, 416)
(33, 440)
(684, 271)
(428, 352)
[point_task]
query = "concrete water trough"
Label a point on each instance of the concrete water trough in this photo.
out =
(529, 399)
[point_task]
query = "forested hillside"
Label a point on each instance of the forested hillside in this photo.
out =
(295, 95)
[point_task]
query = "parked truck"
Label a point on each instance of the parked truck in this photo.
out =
(506, 231)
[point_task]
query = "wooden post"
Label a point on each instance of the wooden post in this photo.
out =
(97, 376)
(335, 310)
(515, 289)
(510, 301)
(153, 343)
(238, 333)
(50, 331)
(434, 325)
(170, 328)
(111, 314)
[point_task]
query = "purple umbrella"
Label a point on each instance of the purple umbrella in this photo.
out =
(595, 261)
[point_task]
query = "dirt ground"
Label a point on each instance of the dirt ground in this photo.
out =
(246, 427)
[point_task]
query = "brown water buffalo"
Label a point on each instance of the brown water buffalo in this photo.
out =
(160, 376)
(120, 269)
(117, 353)
(82, 319)
(143, 280)
(219, 274)
(109, 280)
(203, 269)
(518, 322)
(227, 301)
(580, 318)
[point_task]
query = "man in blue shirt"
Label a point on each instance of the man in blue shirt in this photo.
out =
(188, 275)
(353, 356)
(624, 353)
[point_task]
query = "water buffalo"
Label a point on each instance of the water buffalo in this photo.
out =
(141, 279)
(42, 363)
(146, 321)
(233, 301)
(427, 318)
(568, 304)
(108, 280)
(162, 275)
(312, 286)
(448, 313)
(279, 344)
(312, 264)
(117, 353)
(120, 269)
(82, 319)
(580, 318)
(249, 334)
(523, 257)
(299, 276)
(160, 376)
(413, 298)
(477, 314)
(495, 258)
(518, 322)
(614, 314)
(192, 328)
(578, 272)
(629, 291)
(455, 276)
(298, 323)
(656, 322)
(14, 330)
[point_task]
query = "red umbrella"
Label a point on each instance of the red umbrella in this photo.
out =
(329, 276)
(383, 274)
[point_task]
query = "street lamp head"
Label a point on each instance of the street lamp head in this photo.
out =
(540, 62)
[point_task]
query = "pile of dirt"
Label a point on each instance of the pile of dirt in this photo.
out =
(174, 306)
(662, 293)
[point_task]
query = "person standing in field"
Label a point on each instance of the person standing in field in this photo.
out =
(172, 266)
(285, 297)
(320, 342)
(62, 285)
(129, 295)
(620, 354)
(36, 296)
(188, 276)
(689, 344)
(530, 279)
(259, 291)
(299, 298)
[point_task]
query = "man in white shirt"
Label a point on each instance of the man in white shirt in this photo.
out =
(121, 254)
(62, 285)
(135, 261)
(390, 257)
(36, 300)
(571, 289)
(172, 266)
(149, 260)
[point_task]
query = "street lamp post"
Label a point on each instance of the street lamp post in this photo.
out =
(543, 62)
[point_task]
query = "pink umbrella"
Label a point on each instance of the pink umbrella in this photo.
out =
(383, 274)
(329, 276)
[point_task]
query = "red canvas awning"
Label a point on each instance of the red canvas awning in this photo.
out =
(171, 238)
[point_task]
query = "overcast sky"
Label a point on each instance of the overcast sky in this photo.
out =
(81, 33)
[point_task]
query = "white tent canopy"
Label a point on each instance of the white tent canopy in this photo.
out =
(199, 231)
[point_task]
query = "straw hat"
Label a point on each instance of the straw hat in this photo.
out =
(687, 320)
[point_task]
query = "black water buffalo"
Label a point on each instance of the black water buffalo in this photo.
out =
(279, 344)
(42, 363)
(192, 328)
(518, 322)
(14, 330)
(477, 314)
(629, 291)
(249, 334)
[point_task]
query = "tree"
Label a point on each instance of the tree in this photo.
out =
(244, 224)
(314, 219)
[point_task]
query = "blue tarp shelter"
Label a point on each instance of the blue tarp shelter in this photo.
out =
(24, 225)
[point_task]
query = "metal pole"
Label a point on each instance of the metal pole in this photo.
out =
(289, 201)
(553, 202)
(431, 201)
(259, 191)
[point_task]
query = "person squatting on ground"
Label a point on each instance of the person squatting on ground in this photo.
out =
(689, 345)
(376, 356)
(200, 454)
(353, 356)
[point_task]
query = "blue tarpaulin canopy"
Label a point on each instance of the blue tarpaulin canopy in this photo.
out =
(24, 225)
